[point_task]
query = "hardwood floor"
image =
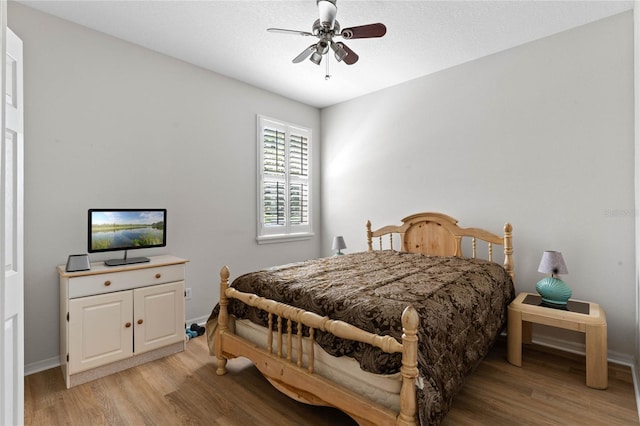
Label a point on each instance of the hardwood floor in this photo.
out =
(183, 389)
(549, 389)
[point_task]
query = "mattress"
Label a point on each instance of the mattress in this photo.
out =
(383, 389)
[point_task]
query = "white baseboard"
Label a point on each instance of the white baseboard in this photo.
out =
(38, 366)
(579, 348)
(199, 320)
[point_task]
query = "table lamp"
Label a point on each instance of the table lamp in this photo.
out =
(553, 290)
(338, 244)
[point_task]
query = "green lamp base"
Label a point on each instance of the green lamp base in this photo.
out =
(553, 291)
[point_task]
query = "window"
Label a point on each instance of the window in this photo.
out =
(284, 186)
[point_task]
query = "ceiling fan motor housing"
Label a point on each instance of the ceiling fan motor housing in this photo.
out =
(322, 32)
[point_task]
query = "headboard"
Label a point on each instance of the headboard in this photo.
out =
(438, 234)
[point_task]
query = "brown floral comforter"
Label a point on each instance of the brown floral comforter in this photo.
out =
(462, 304)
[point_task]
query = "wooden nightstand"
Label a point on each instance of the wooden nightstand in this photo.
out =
(585, 317)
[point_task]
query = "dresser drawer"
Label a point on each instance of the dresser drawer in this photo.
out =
(116, 281)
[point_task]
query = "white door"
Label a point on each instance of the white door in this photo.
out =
(11, 232)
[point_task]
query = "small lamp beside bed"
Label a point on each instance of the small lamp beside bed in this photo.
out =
(553, 291)
(338, 244)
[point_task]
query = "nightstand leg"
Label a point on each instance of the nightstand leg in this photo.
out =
(514, 337)
(596, 345)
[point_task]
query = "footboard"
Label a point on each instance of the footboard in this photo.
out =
(292, 376)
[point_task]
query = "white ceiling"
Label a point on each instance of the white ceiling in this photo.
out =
(423, 37)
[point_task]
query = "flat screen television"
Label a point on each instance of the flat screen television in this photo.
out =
(126, 229)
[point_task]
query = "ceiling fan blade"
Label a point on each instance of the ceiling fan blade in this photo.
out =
(351, 57)
(304, 54)
(364, 31)
(327, 10)
(283, 31)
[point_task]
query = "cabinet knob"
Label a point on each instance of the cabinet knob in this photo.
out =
(107, 283)
(128, 325)
(158, 275)
(140, 321)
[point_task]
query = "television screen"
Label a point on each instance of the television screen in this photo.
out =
(126, 229)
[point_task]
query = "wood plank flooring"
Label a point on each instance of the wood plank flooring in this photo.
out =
(183, 389)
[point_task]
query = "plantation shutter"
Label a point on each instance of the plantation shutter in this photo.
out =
(284, 197)
(298, 176)
(274, 177)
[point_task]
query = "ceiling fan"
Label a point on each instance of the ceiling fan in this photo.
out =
(325, 29)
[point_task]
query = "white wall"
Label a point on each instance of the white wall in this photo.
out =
(541, 135)
(110, 124)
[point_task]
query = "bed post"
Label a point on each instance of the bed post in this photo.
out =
(508, 251)
(409, 369)
(369, 236)
(223, 320)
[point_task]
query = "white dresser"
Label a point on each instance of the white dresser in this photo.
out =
(116, 317)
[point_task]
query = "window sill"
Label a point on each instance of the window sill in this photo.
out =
(283, 238)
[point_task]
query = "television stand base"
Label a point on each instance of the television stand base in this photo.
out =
(126, 261)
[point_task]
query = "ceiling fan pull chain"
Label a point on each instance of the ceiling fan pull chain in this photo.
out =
(327, 76)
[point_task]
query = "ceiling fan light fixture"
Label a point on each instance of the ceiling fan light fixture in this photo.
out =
(322, 47)
(316, 58)
(338, 51)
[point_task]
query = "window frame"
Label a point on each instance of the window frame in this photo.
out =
(286, 232)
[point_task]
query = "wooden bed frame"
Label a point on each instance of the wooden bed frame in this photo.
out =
(428, 233)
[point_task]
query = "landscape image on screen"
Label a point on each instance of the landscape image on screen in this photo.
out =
(113, 230)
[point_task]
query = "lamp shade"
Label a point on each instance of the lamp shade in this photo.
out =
(338, 243)
(552, 262)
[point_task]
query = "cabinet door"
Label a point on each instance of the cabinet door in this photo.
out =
(158, 316)
(100, 330)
